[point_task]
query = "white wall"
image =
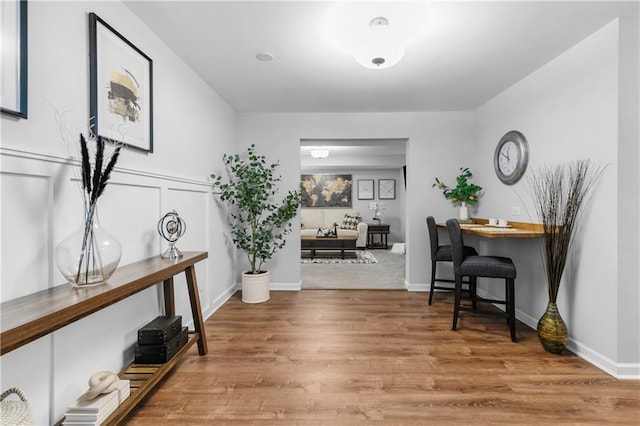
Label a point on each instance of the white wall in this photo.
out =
(568, 110)
(41, 201)
(629, 197)
(394, 211)
(438, 145)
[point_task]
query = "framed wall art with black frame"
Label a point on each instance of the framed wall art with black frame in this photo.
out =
(121, 88)
(386, 189)
(326, 190)
(13, 98)
(365, 189)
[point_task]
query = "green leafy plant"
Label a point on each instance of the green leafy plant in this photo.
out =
(464, 191)
(258, 224)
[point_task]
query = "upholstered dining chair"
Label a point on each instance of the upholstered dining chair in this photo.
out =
(481, 266)
(441, 254)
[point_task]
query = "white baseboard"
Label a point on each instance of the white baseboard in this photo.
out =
(416, 286)
(286, 286)
(617, 370)
(219, 301)
(623, 371)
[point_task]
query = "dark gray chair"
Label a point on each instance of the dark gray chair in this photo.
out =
(442, 254)
(481, 266)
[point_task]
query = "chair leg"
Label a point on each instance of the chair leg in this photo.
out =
(472, 292)
(456, 303)
(507, 297)
(433, 280)
(511, 307)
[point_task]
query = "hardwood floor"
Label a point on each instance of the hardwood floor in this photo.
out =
(343, 357)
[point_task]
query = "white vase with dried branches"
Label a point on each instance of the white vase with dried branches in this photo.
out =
(560, 193)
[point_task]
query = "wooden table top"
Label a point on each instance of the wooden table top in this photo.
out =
(29, 317)
(481, 228)
(340, 237)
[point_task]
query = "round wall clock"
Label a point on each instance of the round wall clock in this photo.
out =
(511, 157)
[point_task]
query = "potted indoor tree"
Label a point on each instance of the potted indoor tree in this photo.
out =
(258, 223)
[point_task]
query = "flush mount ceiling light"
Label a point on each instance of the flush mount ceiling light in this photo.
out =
(376, 34)
(264, 57)
(319, 153)
(379, 48)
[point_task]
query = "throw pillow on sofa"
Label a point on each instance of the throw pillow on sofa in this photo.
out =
(350, 222)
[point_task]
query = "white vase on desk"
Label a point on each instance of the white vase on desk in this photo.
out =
(464, 211)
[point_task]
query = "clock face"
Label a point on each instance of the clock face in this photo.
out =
(511, 157)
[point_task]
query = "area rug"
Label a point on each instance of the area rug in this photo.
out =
(362, 256)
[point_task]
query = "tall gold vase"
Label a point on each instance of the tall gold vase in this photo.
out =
(552, 330)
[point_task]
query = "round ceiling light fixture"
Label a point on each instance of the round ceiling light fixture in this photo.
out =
(264, 57)
(319, 153)
(379, 48)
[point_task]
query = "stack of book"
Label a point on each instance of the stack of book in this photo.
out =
(95, 411)
(160, 340)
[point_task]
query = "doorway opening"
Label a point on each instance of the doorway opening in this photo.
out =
(374, 170)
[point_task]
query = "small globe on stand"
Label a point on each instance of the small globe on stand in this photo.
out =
(171, 227)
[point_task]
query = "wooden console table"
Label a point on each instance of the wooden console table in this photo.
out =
(30, 317)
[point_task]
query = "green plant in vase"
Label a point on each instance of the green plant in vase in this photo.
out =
(463, 193)
(258, 223)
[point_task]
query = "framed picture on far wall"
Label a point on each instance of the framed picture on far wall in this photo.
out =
(325, 190)
(121, 87)
(386, 189)
(13, 34)
(365, 189)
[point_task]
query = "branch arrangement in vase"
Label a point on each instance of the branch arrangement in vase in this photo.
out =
(94, 181)
(464, 192)
(559, 194)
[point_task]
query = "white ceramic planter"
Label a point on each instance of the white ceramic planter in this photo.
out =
(464, 211)
(255, 288)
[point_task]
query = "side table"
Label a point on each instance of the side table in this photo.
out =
(377, 229)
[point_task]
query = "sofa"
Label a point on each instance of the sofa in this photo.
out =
(315, 218)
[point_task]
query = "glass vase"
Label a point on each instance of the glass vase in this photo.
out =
(90, 255)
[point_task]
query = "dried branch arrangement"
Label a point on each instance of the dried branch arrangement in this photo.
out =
(94, 182)
(560, 193)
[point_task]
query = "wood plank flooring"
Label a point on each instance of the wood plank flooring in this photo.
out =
(354, 357)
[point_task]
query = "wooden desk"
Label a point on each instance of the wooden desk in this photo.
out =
(481, 228)
(30, 317)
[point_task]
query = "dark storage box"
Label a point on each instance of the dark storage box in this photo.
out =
(160, 330)
(159, 354)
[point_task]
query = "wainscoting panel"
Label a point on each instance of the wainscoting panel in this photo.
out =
(41, 205)
(192, 207)
(26, 234)
(130, 212)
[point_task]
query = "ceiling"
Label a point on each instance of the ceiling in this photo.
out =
(465, 53)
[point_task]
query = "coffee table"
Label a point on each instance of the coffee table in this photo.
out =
(342, 243)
